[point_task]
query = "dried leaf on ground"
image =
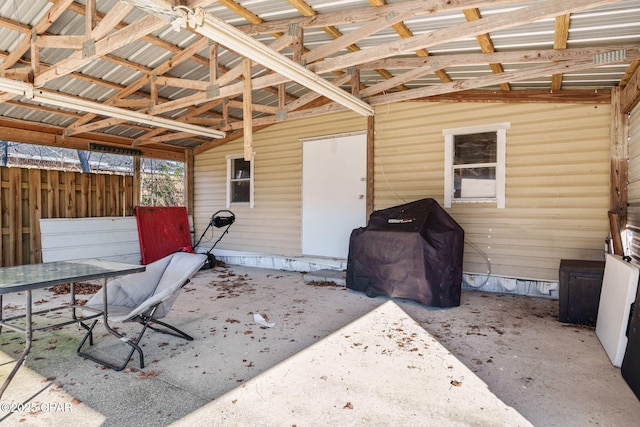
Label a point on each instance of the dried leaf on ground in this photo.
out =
(323, 283)
(81, 288)
(149, 374)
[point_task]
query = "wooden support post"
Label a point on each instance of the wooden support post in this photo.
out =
(188, 180)
(2, 225)
(213, 63)
(630, 94)
(560, 42)
(246, 110)
(90, 17)
(137, 181)
(154, 91)
(297, 32)
(618, 156)
(35, 54)
(281, 96)
(616, 234)
(619, 170)
(371, 123)
(225, 112)
(355, 82)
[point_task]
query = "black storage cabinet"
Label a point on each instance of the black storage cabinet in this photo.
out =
(630, 368)
(409, 251)
(580, 286)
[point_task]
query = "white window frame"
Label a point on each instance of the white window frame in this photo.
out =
(500, 165)
(230, 179)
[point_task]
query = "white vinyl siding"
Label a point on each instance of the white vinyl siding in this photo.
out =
(557, 180)
(273, 226)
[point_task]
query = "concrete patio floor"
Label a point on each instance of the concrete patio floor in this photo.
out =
(333, 357)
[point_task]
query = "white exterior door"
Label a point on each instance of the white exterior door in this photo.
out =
(334, 188)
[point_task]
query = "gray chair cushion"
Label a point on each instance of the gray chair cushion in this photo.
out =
(134, 294)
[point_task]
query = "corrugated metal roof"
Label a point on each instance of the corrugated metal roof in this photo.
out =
(101, 79)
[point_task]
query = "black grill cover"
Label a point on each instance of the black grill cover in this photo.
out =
(409, 251)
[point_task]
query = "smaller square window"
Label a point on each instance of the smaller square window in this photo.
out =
(475, 164)
(239, 180)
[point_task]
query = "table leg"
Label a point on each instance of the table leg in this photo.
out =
(27, 345)
(72, 291)
(74, 315)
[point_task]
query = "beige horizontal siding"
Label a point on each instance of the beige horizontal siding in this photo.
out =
(557, 180)
(273, 226)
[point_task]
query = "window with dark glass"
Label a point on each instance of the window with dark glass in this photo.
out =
(240, 181)
(474, 165)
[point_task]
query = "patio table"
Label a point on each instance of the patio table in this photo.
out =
(26, 278)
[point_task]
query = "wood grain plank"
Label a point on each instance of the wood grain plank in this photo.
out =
(546, 9)
(35, 213)
(15, 217)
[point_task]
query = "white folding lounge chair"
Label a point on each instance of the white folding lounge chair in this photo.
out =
(144, 298)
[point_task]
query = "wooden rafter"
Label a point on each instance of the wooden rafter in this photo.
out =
(546, 9)
(19, 131)
(223, 90)
(202, 86)
(486, 44)
(630, 96)
(635, 65)
(103, 46)
(155, 136)
(136, 86)
(561, 36)
(449, 88)
(336, 34)
(404, 32)
(40, 27)
(571, 57)
(479, 82)
(148, 38)
(520, 56)
(354, 16)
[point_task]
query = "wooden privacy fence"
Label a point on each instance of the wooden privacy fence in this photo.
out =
(27, 195)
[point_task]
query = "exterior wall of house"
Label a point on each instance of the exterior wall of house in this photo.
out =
(633, 189)
(557, 181)
(273, 225)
